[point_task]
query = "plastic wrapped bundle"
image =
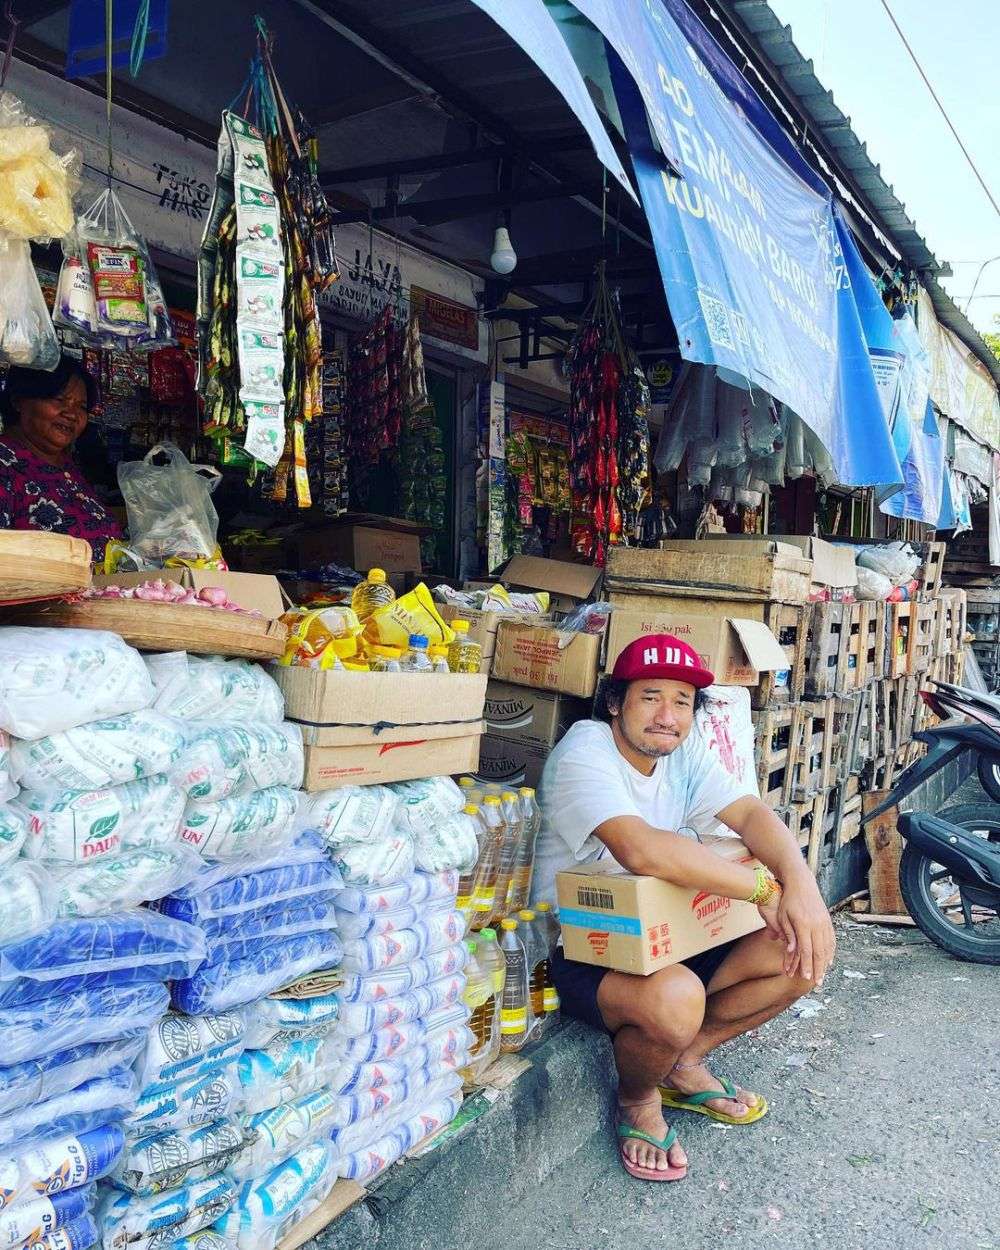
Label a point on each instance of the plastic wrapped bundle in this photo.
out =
(79, 1234)
(193, 687)
(392, 1145)
(120, 882)
(27, 900)
(249, 937)
(80, 1110)
(376, 954)
(375, 863)
(393, 1039)
(425, 803)
(452, 842)
(183, 1104)
(284, 1071)
(180, 1048)
(74, 826)
(88, 953)
(370, 1118)
(126, 1220)
(349, 815)
(223, 760)
(56, 679)
(417, 888)
(266, 1207)
(58, 1164)
(241, 825)
(86, 1015)
(36, 1080)
(22, 1223)
(102, 753)
(284, 1130)
(274, 1020)
(357, 1019)
(13, 831)
(157, 1163)
(357, 987)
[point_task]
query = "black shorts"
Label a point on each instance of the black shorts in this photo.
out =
(577, 983)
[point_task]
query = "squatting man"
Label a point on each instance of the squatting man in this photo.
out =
(635, 783)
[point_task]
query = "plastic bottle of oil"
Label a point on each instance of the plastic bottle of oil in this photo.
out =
(439, 658)
(548, 929)
(492, 957)
(464, 655)
(515, 1006)
(536, 951)
(469, 881)
(531, 817)
(489, 861)
(514, 831)
(374, 592)
(483, 1000)
(380, 659)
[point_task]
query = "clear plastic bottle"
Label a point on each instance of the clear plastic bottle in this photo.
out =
(439, 658)
(374, 592)
(548, 926)
(381, 659)
(515, 1007)
(532, 818)
(416, 659)
(513, 832)
(464, 655)
(483, 1001)
(536, 949)
(468, 883)
(489, 861)
(492, 957)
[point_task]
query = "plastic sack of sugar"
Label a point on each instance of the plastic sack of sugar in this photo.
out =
(79, 825)
(30, 1030)
(96, 1102)
(350, 814)
(91, 951)
(59, 1163)
(205, 1098)
(8, 787)
(222, 760)
(36, 1080)
(151, 1165)
(362, 925)
(180, 1048)
(391, 982)
(271, 1020)
(242, 825)
(100, 754)
(13, 831)
(375, 863)
(249, 937)
(120, 882)
(194, 687)
(375, 954)
(267, 1207)
(27, 902)
(56, 679)
(126, 1220)
(284, 1130)
(419, 887)
(357, 1019)
(220, 987)
(448, 843)
(79, 1234)
(427, 802)
(284, 1071)
(27, 1221)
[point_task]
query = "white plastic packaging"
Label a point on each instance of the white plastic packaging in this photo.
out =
(120, 882)
(356, 1019)
(417, 888)
(391, 982)
(242, 826)
(268, 1206)
(275, 1020)
(375, 863)
(375, 954)
(214, 1095)
(283, 1072)
(283, 1131)
(151, 1165)
(223, 760)
(180, 1047)
(350, 814)
(426, 802)
(56, 679)
(128, 1221)
(27, 904)
(194, 687)
(451, 842)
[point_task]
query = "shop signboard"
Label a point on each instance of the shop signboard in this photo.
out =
(446, 319)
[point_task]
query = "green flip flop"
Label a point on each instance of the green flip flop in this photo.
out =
(627, 1133)
(696, 1102)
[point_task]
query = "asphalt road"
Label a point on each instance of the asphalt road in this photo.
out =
(884, 1132)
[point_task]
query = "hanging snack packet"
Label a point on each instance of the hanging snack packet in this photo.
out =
(119, 288)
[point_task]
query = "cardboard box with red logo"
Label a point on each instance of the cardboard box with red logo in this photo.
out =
(615, 919)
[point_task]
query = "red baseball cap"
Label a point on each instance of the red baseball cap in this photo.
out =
(665, 657)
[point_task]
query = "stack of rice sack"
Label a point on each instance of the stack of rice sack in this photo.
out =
(402, 1031)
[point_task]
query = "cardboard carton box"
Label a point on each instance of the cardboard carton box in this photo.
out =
(259, 592)
(531, 655)
(834, 565)
(759, 568)
(614, 919)
(735, 649)
(536, 717)
(368, 728)
(509, 762)
(568, 584)
(360, 547)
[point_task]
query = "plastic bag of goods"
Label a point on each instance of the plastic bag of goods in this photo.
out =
(214, 1095)
(170, 510)
(426, 801)
(349, 815)
(99, 754)
(128, 1221)
(250, 935)
(96, 951)
(873, 585)
(23, 1223)
(284, 1130)
(194, 687)
(75, 826)
(58, 1164)
(244, 825)
(273, 1020)
(390, 982)
(81, 1110)
(451, 842)
(219, 761)
(284, 1071)
(356, 1019)
(180, 1048)
(37, 1080)
(267, 1207)
(375, 863)
(56, 679)
(8, 787)
(27, 904)
(120, 882)
(375, 954)
(153, 1164)
(419, 887)
(896, 561)
(86, 1015)
(385, 1150)
(27, 336)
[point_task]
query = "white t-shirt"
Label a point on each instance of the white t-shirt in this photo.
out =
(588, 781)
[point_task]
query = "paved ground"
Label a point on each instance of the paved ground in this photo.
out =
(883, 1131)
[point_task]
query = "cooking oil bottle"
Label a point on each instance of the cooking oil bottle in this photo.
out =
(537, 954)
(531, 817)
(489, 861)
(384, 659)
(439, 658)
(548, 928)
(509, 849)
(515, 1007)
(482, 999)
(374, 592)
(469, 881)
(464, 655)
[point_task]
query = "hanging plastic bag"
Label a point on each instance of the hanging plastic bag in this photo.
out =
(170, 511)
(27, 336)
(36, 184)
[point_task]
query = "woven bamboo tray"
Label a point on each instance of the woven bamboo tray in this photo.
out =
(165, 626)
(35, 564)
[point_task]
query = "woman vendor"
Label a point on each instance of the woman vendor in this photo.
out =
(41, 488)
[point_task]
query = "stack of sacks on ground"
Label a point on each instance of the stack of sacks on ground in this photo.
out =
(402, 1030)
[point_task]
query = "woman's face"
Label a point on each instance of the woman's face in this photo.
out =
(53, 425)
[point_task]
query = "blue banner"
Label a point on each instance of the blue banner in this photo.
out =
(922, 497)
(747, 245)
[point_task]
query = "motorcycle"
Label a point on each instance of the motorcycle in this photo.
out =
(949, 872)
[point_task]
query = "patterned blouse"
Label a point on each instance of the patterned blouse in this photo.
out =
(36, 495)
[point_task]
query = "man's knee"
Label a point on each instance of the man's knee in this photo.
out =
(672, 1006)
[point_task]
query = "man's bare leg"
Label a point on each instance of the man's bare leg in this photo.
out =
(748, 989)
(653, 1020)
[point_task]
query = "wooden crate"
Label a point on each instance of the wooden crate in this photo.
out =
(778, 734)
(933, 567)
(898, 647)
(789, 623)
(872, 653)
(922, 637)
(736, 568)
(834, 820)
(951, 620)
(869, 728)
(812, 759)
(832, 649)
(983, 613)
(841, 753)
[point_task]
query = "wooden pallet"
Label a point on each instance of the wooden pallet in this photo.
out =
(778, 734)
(789, 622)
(832, 649)
(841, 754)
(835, 819)
(815, 743)
(932, 570)
(873, 651)
(922, 637)
(952, 608)
(898, 649)
(983, 613)
(869, 728)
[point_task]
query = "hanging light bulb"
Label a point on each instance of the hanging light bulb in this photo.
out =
(503, 258)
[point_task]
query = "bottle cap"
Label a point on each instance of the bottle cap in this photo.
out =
(526, 915)
(376, 575)
(508, 924)
(526, 790)
(418, 640)
(438, 649)
(460, 627)
(508, 796)
(544, 908)
(493, 800)
(489, 935)
(470, 945)
(467, 783)
(470, 809)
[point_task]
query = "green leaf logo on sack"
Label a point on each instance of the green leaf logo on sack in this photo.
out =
(101, 838)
